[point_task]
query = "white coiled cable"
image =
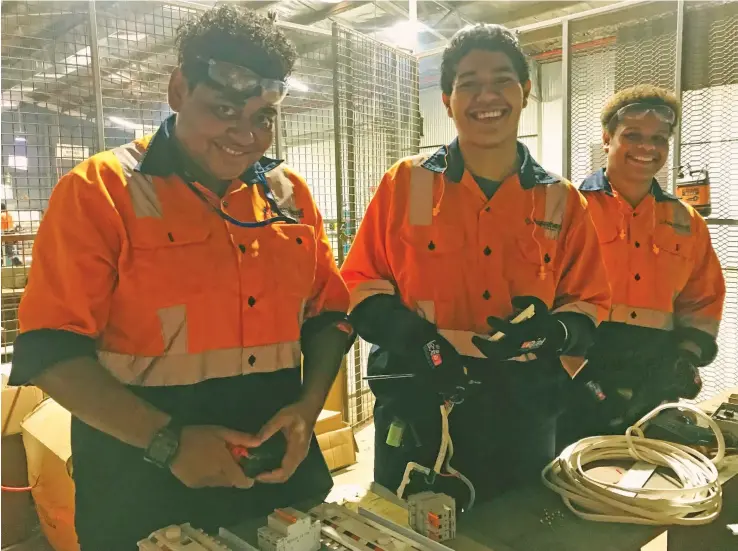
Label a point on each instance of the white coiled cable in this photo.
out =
(697, 501)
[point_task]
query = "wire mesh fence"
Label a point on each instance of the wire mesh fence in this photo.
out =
(352, 111)
(378, 123)
(638, 45)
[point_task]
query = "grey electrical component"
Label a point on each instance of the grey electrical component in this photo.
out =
(432, 515)
(726, 417)
(289, 530)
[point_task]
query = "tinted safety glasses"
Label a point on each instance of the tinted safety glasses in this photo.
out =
(639, 110)
(245, 81)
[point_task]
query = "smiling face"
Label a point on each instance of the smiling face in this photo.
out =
(638, 148)
(224, 134)
(486, 99)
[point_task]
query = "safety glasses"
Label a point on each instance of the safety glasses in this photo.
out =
(245, 81)
(639, 110)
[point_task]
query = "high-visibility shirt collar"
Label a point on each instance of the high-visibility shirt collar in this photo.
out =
(161, 157)
(598, 181)
(449, 161)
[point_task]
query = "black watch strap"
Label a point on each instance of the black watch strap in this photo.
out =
(164, 446)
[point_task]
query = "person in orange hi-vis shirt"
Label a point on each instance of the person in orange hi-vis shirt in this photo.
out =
(667, 284)
(176, 283)
(7, 219)
(453, 245)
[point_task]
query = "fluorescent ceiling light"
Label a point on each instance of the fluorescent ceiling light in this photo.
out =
(20, 140)
(295, 84)
(404, 34)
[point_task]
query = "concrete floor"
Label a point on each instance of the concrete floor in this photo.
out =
(349, 481)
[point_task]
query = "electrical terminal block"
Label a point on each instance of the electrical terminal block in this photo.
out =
(289, 530)
(432, 515)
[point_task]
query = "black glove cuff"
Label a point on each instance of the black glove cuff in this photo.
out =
(706, 342)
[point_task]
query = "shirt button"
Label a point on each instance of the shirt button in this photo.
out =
(487, 209)
(251, 301)
(487, 251)
(486, 295)
(431, 246)
(637, 244)
(225, 204)
(637, 277)
(633, 315)
(635, 214)
(299, 240)
(242, 248)
(252, 360)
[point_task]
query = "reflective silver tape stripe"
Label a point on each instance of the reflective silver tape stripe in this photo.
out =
(579, 307)
(174, 329)
(643, 317)
(140, 188)
(680, 218)
(420, 209)
(708, 325)
(188, 369)
(367, 289)
(556, 197)
(282, 188)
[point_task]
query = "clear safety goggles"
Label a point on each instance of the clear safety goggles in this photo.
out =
(639, 110)
(245, 81)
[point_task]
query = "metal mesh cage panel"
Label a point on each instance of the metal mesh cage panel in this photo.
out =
(606, 60)
(52, 105)
(709, 140)
(377, 95)
(47, 108)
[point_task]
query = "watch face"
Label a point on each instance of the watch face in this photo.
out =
(163, 447)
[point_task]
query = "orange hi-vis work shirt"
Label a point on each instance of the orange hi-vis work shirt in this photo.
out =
(661, 265)
(173, 293)
(7, 221)
(431, 236)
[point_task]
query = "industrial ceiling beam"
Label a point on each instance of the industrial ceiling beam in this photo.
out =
(327, 12)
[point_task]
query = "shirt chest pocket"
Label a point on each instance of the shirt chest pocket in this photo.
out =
(167, 263)
(673, 261)
(290, 251)
(431, 264)
(532, 268)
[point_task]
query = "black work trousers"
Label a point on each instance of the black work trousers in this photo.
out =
(120, 499)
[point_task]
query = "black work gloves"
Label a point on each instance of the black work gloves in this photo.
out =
(679, 375)
(542, 334)
(446, 374)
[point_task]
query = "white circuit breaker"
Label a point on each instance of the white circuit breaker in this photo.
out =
(432, 515)
(289, 530)
(181, 537)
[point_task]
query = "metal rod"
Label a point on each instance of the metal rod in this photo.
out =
(337, 139)
(566, 99)
(553, 22)
(539, 111)
(398, 107)
(678, 66)
(96, 78)
(304, 28)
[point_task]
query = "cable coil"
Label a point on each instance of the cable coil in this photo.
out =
(697, 500)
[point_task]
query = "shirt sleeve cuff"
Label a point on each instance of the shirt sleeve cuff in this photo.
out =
(34, 352)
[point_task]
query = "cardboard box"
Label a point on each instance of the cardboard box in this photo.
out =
(328, 421)
(339, 447)
(47, 439)
(19, 519)
(18, 513)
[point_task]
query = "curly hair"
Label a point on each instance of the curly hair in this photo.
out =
(240, 36)
(484, 36)
(644, 93)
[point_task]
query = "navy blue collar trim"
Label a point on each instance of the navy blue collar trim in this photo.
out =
(597, 181)
(160, 158)
(448, 160)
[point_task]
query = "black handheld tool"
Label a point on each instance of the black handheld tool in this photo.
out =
(264, 458)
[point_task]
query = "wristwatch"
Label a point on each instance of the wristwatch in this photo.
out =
(163, 447)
